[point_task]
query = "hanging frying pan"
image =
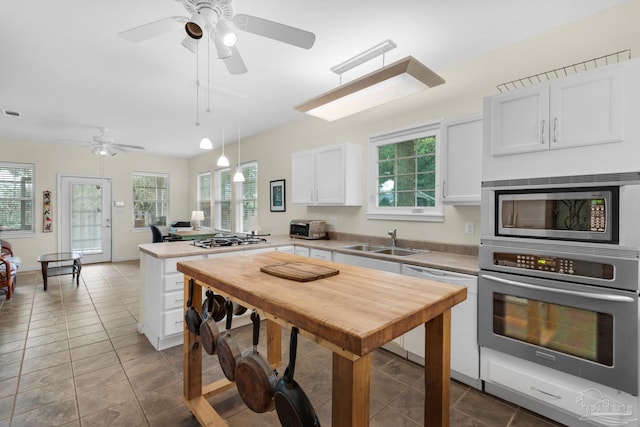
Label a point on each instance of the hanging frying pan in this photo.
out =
(191, 316)
(292, 404)
(227, 348)
(209, 332)
(255, 378)
(219, 310)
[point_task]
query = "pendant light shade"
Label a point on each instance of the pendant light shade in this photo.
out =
(206, 144)
(223, 161)
(238, 177)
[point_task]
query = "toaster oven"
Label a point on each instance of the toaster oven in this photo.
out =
(308, 229)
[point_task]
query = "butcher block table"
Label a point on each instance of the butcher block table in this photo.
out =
(352, 313)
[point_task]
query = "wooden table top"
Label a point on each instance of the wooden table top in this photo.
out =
(358, 309)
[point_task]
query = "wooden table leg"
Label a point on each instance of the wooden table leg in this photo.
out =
(350, 392)
(274, 343)
(43, 266)
(437, 366)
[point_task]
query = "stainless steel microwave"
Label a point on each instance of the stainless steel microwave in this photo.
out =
(581, 214)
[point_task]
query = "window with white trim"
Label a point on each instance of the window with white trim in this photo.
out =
(17, 198)
(150, 199)
(404, 175)
(222, 200)
(246, 196)
(204, 197)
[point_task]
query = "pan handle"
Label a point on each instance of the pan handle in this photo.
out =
(293, 346)
(190, 292)
(229, 307)
(209, 301)
(255, 318)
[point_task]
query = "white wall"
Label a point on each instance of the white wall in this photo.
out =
(53, 159)
(466, 85)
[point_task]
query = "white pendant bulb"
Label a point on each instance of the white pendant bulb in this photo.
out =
(238, 177)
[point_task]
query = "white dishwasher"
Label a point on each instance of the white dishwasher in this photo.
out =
(465, 353)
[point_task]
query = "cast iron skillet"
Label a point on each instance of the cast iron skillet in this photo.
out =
(292, 405)
(255, 378)
(209, 333)
(191, 316)
(227, 347)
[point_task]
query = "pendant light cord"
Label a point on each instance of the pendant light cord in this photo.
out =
(197, 87)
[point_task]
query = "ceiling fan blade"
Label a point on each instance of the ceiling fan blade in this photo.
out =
(234, 63)
(274, 30)
(125, 147)
(153, 29)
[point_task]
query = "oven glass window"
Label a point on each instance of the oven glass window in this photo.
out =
(578, 332)
(564, 214)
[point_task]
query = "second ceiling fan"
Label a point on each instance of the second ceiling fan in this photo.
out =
(214, 17)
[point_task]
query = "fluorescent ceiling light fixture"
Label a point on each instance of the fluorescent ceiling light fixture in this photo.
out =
(402, 78)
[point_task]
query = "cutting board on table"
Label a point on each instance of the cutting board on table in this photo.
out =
(299, 271)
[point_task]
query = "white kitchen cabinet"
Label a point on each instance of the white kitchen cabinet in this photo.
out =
(582, 109)
(321, 254)
(462, 166)
(164, 301)
(301, 251)
(327, 176)
(285, 249)
(465, 353)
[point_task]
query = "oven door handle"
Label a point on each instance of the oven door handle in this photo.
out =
(602, 297)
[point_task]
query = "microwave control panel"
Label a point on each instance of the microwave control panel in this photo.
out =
(597, 217)
(552, 264)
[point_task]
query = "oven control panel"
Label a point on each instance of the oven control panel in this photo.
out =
(554, 265)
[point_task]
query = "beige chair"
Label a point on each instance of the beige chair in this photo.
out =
(6, 250)
(7, 276)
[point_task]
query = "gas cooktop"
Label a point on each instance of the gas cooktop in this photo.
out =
(216, 242)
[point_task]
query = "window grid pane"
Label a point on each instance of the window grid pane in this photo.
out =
(222, 201)
(150, 199)
(407, 173)
(204, 197)
(16, 196)
(247, 203)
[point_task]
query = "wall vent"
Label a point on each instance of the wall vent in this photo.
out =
(10, 113)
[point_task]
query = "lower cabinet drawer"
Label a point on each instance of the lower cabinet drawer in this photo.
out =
(173, 282)
(172, 300)
(173, 322)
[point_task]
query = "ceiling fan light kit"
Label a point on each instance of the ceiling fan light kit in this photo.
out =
(215, 17)
(394, 81)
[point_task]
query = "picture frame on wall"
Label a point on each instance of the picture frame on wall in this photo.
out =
(277, 201)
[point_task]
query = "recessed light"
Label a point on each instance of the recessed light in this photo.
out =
(10, 113)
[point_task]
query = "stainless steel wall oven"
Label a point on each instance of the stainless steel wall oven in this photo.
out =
(559, 270)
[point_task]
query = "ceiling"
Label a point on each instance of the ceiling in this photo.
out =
(64, 68)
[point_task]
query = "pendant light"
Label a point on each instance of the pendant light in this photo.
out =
(223, 161)
(205, 143)
(238, 177)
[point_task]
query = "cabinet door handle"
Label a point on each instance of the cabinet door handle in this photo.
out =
(544, 123)
(555, 129)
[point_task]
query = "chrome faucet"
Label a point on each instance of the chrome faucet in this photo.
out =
(392, 233)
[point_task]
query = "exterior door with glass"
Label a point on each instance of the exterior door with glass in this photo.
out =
(85, 217)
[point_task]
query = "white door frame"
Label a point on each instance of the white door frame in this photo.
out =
(107, 255)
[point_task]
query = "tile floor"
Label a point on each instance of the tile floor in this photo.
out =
(72, 357)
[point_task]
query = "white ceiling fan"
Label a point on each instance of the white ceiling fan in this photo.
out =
(105, 145)
(213, 17)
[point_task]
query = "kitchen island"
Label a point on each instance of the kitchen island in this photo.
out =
(351, 313)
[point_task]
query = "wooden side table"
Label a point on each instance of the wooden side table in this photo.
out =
(73, 269)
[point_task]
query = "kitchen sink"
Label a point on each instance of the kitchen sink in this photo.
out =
(365, 247)
(396, 252)
(385, 250)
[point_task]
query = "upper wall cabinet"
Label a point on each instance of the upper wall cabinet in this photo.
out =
(582, 109)
(462, 142)
(330, 176)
